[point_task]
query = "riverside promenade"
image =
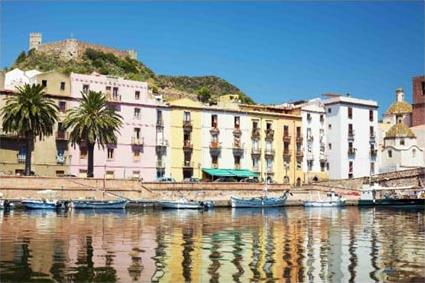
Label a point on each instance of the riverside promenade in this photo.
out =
(18, 187)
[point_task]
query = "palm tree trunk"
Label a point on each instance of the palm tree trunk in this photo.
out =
(28, 156)
(90, 151)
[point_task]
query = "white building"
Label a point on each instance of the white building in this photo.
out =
(225, 139)
(351, 136)
(314, 134)
(17, 77)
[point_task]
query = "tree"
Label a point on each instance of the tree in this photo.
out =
(29, 114)
(92, 122)
(204, 94)
(21, 57)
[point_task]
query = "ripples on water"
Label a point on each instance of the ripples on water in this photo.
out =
(222, 245)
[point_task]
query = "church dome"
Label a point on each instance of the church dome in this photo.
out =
(399, 106)
(399, 130)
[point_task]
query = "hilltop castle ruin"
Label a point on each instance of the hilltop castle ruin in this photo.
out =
(72, 48)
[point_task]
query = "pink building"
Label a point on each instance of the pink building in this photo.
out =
(136, 153)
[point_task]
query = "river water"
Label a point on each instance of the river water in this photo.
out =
(292, 244)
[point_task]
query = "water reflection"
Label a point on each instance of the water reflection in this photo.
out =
(222, 245)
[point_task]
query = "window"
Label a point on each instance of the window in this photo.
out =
(322, 166)
(214, 161)
(237, 162)
(110, 153)
(83, 152)
(298, 132)
(350, 169)
(308, 116)
(298, 165)
(136, 155)
(286, 147)
(309, 165)
(237, 122)
(390, 154)
(186, 116)
(137, 113)
(254, 125)
(413, 153)
(136, 133)
(59, 173)
(82, 173)
(214, 121)
(371, 115)
(255, 165)
(322, 118)
(285, 131)
(423, 88)
(401, 141)
(109, 174)
(371, 131)
(350, 113)
(330, 126)
(136, 175)
(372, 168)
(108, 90)
(62, 106)
(85, 88)
(137, 95)
(327, 166)
(329, 110)
(62, 85)
(268, 125)
(158, 117)
(44, 83)
(330, 145)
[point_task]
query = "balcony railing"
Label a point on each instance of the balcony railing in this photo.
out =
(187, 146)
(300, 154)
(238, 149)
(10, 135)
(214, 131)
(160, 164)
(255, 133)
(269, 152)
(113, 97)
(350, 135)
(62, 135)
(351, 151)
(215, 148)
(137, 141)
(286, 154)
(286, 138)
(310, 139)
(269, 170)
(299, 139)
(160, 123)
(269, 134)
(161, 146)
(237, 132)
(322, 157)
(373, 152)
(187, 125)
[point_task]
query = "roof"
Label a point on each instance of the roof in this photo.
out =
(350, 100)
(399, 130)
(240, 173)
(399, 107)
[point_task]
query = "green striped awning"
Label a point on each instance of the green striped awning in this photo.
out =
(240, 173)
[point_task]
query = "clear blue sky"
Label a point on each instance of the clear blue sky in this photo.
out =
(273, 51)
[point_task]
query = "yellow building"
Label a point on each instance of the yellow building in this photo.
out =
(49, 156)
(185, 138)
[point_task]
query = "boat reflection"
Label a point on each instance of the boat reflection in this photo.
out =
(222, 245)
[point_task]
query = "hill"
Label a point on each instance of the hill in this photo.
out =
(109, 64)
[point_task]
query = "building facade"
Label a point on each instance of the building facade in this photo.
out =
(351, 137)
(135, 154)
(418, 114)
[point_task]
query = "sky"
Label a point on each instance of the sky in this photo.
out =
(273, 51)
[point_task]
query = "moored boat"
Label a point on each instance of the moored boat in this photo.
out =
(372, 195)
(186, 204)
(259, 202)
(332, 200)
(99, 204)
(42, 204)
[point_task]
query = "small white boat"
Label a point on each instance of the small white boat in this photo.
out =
(48, 201)
(332, 200)
(99, 204)
(186, 204)
(259, 202)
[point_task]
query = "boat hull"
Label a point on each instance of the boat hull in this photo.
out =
(394, 202)
(258, 202)
(38, 204)
(185, 205)
(324, 203)
(99, 204)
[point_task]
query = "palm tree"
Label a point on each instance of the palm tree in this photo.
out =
(92, 122)
(29, 114)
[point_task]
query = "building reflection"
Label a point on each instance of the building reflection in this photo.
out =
(285, 245)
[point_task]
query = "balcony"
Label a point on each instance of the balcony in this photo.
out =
(215, 148)
(160, 123)
(187, 125)
(350, 135)
(188, 164)
(373, 152)
(299, 139)
(214, 131)
(256, 151)
(238, 149)
(62, 136)
(310, 139)
(113, 97)
(269, 134)
(372, 138)
(286, 138)
(300, 154)
(187, 146)
(255, 134)
(60, 159)
(21, 158)
(137, 141)
(269, 152)
(160, 164)
(323, 157)
(351, 151)
(161, 147)
(237, 132)
(286, 154)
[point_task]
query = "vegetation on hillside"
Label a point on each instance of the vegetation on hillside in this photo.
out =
(110, 64)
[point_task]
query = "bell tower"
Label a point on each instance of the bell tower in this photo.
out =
(34, 40)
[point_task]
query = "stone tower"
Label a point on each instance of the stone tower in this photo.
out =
(132, 54)
(35, 40)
